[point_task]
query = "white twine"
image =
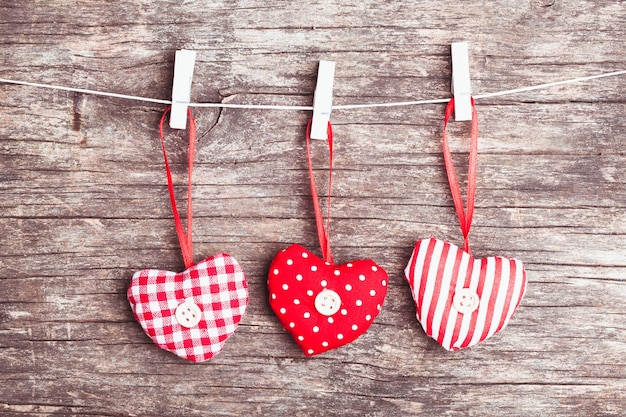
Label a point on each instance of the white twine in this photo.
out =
(310, 108)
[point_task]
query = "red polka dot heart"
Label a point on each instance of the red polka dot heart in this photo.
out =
(324, 306)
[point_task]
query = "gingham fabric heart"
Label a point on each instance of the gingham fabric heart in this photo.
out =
(324, 306)
(461, 300)
(191, 313)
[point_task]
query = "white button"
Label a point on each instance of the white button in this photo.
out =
(327, 302)
(465, 300)
(188, 314)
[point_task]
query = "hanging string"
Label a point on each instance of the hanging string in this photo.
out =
(184, 238)
(309, 108)
(465, 215)
(323, 233)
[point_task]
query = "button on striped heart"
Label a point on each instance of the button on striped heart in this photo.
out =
(448, 282)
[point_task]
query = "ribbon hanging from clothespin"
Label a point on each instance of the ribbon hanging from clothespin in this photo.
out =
(464, 214)
(184, 237)
(181, 88)
(323, 231)
(461, 83)
(323, 100)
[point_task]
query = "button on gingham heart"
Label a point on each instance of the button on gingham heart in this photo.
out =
(438, 271)
(461, 301)
(324, 306)
(217, 286)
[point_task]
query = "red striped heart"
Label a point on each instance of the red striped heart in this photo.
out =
(459, 300)
(191, 313)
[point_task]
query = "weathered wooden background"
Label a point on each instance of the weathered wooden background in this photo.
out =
(84, 201)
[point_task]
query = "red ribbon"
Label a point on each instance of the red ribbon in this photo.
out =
(323, 232)
(184, 238)
(465, 215)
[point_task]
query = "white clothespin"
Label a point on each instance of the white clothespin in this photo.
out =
(181, 89)
(461, 83)
(323, 100)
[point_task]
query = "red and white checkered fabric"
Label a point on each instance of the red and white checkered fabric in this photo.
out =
(217, 285)
(441, 275)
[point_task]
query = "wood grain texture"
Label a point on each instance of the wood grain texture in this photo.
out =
(84, 201)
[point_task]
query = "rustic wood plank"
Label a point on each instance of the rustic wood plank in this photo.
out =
(84, 203)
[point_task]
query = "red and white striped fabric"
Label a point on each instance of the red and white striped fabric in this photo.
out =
(461, 301)
(215, 288)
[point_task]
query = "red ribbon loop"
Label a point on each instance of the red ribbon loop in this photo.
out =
(323, 233)
(465, 215)
(184, 238)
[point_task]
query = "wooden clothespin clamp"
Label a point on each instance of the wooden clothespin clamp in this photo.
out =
(181, 89)
(323, 100)
(461, 83)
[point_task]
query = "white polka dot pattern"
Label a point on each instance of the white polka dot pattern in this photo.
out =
(361, 287)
